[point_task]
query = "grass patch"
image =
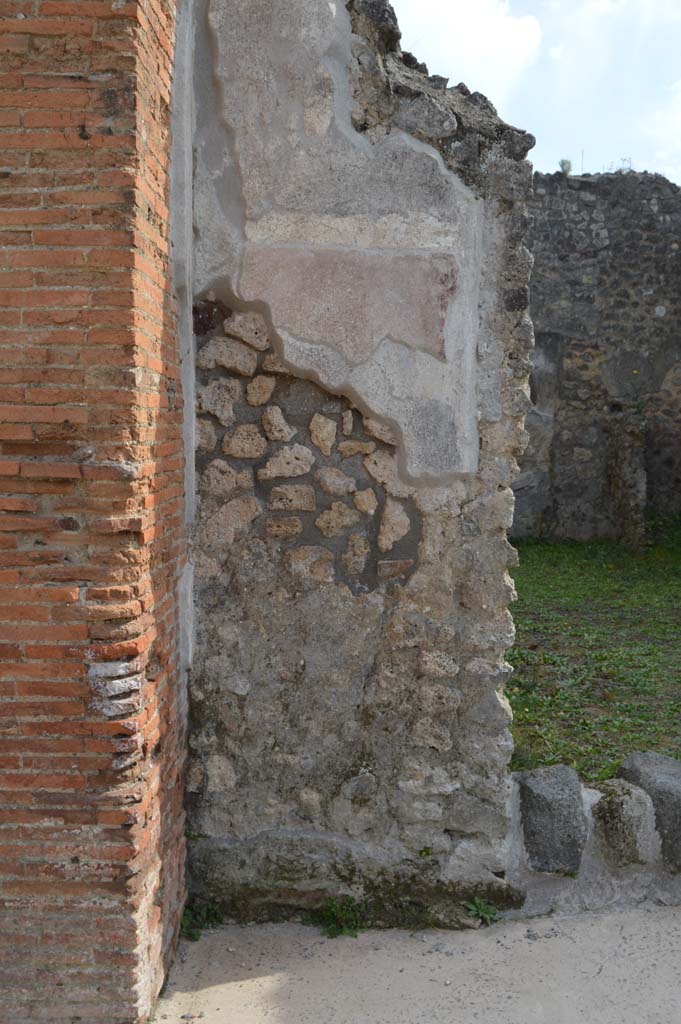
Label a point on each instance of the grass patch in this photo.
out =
(598, 653)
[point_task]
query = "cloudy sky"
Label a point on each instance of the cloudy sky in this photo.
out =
(600, 78)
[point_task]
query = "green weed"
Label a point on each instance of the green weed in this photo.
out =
(481, 910)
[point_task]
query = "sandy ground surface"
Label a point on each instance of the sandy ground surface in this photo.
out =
(614, 968)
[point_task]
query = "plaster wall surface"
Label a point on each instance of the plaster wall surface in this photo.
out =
(362, 334)
(606, 304)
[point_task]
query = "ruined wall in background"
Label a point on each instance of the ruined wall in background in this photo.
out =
(362, 339)
(605, 430)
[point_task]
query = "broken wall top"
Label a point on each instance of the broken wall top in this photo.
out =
(344, 193)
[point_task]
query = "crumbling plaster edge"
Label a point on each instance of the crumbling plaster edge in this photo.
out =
(302, 355)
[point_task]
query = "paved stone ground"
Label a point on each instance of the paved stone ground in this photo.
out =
(614, 968)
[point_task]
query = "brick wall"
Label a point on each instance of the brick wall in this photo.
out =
(91, 548)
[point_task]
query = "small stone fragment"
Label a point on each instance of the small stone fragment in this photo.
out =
(323, 433)
(336, 519)
(292, 498)
(311, 562)
(395, 525)
(220, 479)
(381, 431)
(335, 481)
(296, 460)
(382, 468)
(624, 819)
(273, 364)
(282, 527)
(206, 438)
(232, 518)
(366, 501)
(389, 569)
(347, 422)
(246, 442)
(218, 398)
(349, 448)
(229, 354)
(259, 390)
(356, 553)
(275, 426)
(248, 327)
(660, 777)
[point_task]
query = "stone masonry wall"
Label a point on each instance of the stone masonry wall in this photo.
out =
(92, 541)
(362, 361)
(605, 429)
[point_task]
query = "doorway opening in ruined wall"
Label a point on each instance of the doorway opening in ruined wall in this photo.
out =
(598, 500)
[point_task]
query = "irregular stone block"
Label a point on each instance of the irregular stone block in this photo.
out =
(221, 480)
(624, 818)
(323, 433)
(296, 460)
(349, 448)
(366, 501)
(246, 442)
(337, 519)
(553, 819)
(275, 426)
(381, 431)
(259, 390)
(660, 777)
(206, 438)
(218, 398)
(250, 328)
(347, 422)
(230, 355)
(395, 525)
(273, 364)
(335, 481)
(292, 498)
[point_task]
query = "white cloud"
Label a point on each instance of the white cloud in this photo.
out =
(479, 42)
(651, 12)
(583, 43)
(664, 130)
(658, 11)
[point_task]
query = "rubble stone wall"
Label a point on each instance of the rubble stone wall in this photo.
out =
(362, 357)
(605, 429)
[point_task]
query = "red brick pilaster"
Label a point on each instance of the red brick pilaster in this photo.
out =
(91, 513)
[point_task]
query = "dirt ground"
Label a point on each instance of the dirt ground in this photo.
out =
(610, 968)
